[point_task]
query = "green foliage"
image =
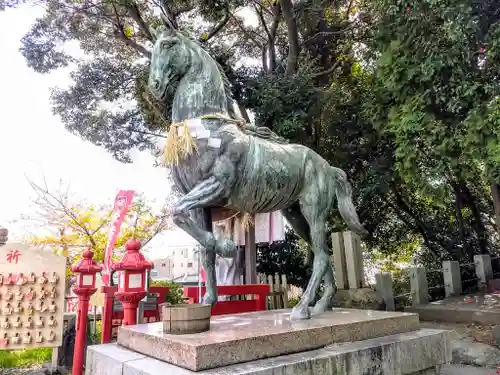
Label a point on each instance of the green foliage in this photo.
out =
(284, 258)
(175, 294)
(24, 358)
(403, 97)
(75, 225)
(284, 104)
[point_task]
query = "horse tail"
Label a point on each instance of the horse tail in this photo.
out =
(346, 207)
(343, 190)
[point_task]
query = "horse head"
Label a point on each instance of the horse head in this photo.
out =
(170, 61)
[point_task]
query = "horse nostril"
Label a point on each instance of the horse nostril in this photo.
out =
(157, 84)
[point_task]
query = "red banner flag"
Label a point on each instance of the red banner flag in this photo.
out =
(122, 203)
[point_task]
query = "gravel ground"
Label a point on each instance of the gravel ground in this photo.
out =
(465, 332)
(20, 371)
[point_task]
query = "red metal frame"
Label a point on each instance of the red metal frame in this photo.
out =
(111, 320)
(85, 267)
(258, 303)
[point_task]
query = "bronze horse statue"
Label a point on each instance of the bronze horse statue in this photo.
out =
(224, 167)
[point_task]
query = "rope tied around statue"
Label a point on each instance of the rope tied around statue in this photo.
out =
(181, 142)
(181, 139)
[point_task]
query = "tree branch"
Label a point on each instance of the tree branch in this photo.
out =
(293, 37)
(264, 59)
(135, 14)
(250, 34)
(262, 20)
(223, 22)
(349, 7)
(181, 10)
(330, 70)
(44, 194)
(169, 14)
(316, 36)
(271, 34)
(120, 34)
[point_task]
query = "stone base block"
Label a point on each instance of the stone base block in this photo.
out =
(247, 337)
(483, 309)
(420, 352)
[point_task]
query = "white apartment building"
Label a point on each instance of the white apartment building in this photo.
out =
(177, 261)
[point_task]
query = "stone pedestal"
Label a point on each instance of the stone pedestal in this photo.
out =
(341, 341)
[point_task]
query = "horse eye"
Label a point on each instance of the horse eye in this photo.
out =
(168, 43)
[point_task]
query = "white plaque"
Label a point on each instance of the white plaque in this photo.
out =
(135, 280)
(203, 134)
(121, 280)
(87, 280)
(214, 142)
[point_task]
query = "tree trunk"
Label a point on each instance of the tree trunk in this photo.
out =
(478, 224)
(460, 220)
(495, 195)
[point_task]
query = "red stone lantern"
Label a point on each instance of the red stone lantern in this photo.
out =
(132, 287)
(86, 270)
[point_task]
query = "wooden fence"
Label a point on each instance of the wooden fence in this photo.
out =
(453, 284)
(281, 293)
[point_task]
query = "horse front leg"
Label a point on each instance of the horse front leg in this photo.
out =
(202, 196)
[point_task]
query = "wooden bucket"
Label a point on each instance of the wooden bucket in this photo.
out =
(185, 318)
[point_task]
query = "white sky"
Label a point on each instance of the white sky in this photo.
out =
(34, 142)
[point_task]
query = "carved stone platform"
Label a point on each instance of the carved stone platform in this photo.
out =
(269, 343)
(247, 337)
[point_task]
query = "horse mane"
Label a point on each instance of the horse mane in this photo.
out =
(227, 85)
(257, 131)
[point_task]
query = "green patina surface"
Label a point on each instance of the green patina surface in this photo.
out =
(242, 168)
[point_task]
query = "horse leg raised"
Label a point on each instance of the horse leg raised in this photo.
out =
(202, 195)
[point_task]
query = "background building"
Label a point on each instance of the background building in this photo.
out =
(175, 262)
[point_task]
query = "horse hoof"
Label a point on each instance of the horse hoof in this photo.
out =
(319, 308)
(300, 313)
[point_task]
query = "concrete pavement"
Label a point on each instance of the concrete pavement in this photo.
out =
(466, 370)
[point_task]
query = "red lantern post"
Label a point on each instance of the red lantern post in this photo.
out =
(86, 270)
(132, 287)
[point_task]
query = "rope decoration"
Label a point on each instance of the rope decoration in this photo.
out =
(178, 147)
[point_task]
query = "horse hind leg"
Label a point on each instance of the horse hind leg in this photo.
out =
(315, 203)
(300, 225)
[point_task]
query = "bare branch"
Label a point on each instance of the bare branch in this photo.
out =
(262, 20)
(316, 38)
(250, 34)
(330, 70)
(168, 16)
